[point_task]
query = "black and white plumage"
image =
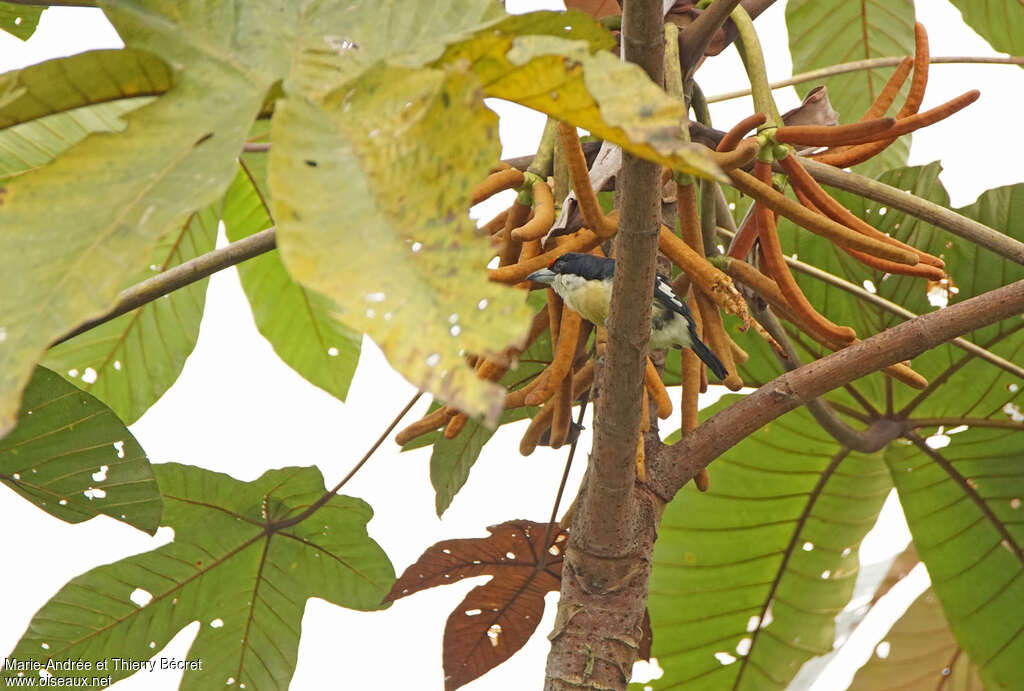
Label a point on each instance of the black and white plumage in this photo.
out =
(584, 282)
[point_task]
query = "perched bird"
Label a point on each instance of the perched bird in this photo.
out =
(584, 282)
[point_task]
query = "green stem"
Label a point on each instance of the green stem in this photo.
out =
(673, 71)
(543, 162)
(753, 59)
(700, 105)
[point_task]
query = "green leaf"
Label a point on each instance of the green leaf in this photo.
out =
(298, 322)
(559, 63)
(48, 108)
(86, 79)
(228, 567)
(176, 155)
(963, 506)
(74, 459)
(921, 654)
(758, 567)
(35, 143)
(19, 20)
(826, 32)
(1000, 22)
(131, 361)
(370, 196)
(452, 459)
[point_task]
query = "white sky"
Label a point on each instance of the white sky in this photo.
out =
(239, 409)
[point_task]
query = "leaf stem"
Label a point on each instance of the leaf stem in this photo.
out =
(873, 63)
(315, 506)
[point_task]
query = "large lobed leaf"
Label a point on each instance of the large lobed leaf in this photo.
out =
(963, 506)
(296, 321)
(497, 618)
(74, 459)
(216, 64)
(828, 32)
(959, 500)
(748, 577)
(229, 568)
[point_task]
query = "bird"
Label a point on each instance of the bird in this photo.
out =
(584, 282)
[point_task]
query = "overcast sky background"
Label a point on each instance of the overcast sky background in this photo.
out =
(238, 409)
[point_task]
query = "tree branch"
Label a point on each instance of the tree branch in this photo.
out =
(674, 466)
(178, 277)
(607, 561)
(878, 434)
(870, 64)
(696, 38)
(968, 229)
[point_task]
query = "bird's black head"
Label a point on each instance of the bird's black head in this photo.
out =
(587, 266)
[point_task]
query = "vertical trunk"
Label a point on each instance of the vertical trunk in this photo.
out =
(608, 559)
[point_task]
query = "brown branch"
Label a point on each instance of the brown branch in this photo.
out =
(869, 64)
(669, 470)
(604, 577)
(873, 439)
(696, 38)
(180, 276)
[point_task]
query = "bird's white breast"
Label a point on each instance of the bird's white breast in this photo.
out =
(589, 298)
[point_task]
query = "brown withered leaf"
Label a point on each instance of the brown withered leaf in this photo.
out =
(497, 618)
(595, 8)
(816, 109)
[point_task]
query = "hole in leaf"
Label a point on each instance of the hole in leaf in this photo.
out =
(725, 658)
(101, 474)
(89, 376)
(808, 546)
(141, 597)
(882, 649)
(217, 623)
(743, 647)
(493, 634)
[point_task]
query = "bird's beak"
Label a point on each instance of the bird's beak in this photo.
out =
(542, 276)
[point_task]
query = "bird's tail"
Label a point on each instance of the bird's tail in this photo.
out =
(705, 354)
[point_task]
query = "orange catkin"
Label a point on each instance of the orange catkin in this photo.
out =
(506, 179)
(656, 389)
(816, 223)
(561, 363)
(739, 131)
(833, 135)
(805, 184)
(576, 162)
(580, 241)
(776, 266)
(543, 215)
